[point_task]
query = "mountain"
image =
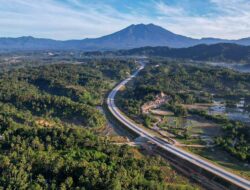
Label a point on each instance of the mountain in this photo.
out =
(243, 41)
(212, 41)
(217, 52)
(28, 43)
(134, 36)
(139, 36)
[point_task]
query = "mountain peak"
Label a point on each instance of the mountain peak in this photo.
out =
(142, 25)
(139, 35)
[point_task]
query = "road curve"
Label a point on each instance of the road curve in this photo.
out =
(234, 179)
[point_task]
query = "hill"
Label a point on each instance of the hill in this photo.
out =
(216, 52)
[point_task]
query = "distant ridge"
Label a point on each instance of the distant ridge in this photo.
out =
(133, 36)
(224, 52)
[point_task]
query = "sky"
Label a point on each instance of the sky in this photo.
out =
(79, 19)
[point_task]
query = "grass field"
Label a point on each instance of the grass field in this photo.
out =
(223, 159)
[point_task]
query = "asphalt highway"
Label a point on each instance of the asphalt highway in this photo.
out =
(216, 170)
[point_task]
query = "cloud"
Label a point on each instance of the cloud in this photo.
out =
(232, 7)
(167, 10)
(77, 19)
(230, 20)
(49, 18)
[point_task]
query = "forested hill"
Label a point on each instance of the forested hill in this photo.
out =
(216, 52)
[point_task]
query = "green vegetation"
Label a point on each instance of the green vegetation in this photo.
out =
(67, 92)
(219, 156)
(49, 136)
(185, 83)
(69, 157)
(236, 138)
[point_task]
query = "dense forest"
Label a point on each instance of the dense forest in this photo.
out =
(67, 92)
(189, 84)
(64, 157)
(49, 135)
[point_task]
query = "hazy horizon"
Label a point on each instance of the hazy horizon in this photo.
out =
(37, 37)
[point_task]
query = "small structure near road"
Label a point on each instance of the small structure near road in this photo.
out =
(160, 99)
